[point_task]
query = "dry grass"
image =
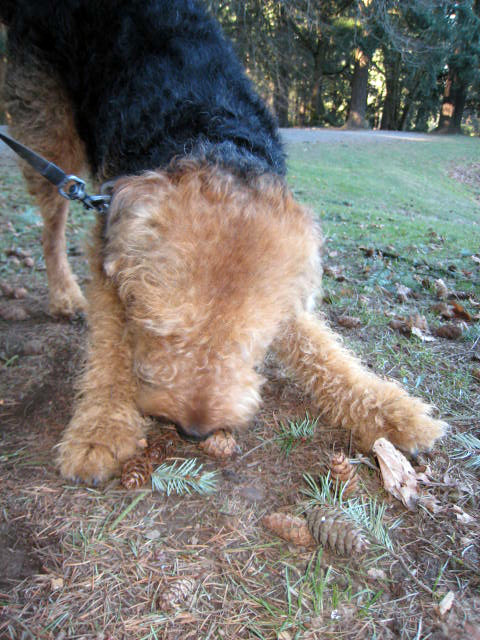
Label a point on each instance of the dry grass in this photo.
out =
(103, 563)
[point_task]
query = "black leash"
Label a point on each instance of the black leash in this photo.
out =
(50, 171)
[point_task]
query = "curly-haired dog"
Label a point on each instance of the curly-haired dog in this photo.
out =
(204, 261)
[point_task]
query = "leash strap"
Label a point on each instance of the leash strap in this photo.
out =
(69, 186)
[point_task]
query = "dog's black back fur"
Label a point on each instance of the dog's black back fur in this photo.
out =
(149, 80)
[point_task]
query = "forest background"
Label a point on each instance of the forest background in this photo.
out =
(407, 65)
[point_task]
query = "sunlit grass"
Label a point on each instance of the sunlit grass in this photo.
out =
(392, 193)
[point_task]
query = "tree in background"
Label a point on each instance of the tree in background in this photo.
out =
(462, 65)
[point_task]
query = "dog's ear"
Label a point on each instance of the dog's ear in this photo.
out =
(134, 217)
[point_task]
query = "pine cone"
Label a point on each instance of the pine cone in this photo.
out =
(343, 471)
(329, 525)
(176, 593)
(221, 445)
(156, 450)
(289, 528)
(136, 472)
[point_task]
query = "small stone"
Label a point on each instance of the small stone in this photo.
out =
(12, 312)
(33, 348)
(19, 293)
(56, 583)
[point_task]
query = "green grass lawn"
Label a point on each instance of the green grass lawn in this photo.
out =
(402, 185)
(401, 211)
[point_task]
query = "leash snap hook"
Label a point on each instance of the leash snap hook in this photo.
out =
(76, 190)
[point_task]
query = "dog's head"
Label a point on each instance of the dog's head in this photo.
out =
(207, 268)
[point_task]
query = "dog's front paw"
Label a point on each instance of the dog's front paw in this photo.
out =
(93, 461)
(404, 420)
(418, 434)
(410, 426)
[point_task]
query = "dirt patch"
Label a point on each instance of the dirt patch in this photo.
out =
(17, 559)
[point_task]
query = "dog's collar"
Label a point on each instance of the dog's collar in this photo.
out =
(69, 186)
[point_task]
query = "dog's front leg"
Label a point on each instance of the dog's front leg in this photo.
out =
(106, 426)
(349, 395)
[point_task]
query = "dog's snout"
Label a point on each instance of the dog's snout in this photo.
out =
(192, 432)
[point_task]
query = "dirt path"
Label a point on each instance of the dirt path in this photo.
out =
(318, 134)
(341, 135)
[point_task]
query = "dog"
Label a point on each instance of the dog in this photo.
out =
(204, 261)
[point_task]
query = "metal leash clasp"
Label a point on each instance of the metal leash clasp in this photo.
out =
(76, 191)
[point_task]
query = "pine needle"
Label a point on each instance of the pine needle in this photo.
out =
(469, 450)
(184, 478)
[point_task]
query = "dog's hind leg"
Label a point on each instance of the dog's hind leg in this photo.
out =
(350, 396)
(41, 118)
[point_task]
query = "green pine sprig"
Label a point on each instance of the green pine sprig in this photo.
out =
(294, 432)
(184, 478)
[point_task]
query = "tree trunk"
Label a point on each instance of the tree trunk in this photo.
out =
(281, 93)
(359, 94)
(453, 104)
(3, 69)
(391, 104)
(317, 108)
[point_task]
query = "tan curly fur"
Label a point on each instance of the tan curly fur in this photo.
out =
(196, 275)
(43, 120)
(201, 275)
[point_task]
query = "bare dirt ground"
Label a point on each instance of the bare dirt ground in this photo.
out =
(79, 562)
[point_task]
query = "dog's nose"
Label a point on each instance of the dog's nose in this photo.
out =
(191, 433)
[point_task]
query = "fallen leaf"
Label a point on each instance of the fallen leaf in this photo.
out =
(17, 252)
(350, 322)
(461, 312)
(368, 251)
(462, 517)
(399, 477)
(446, 603)
(424, 473)
(376, 574)
(441, 288)
(399, 324)
(403, 292)
(417, 321)
(449, 331)
(334, 272)
(413, 325)
(423, 337)
(443, 309)
(431, 503)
